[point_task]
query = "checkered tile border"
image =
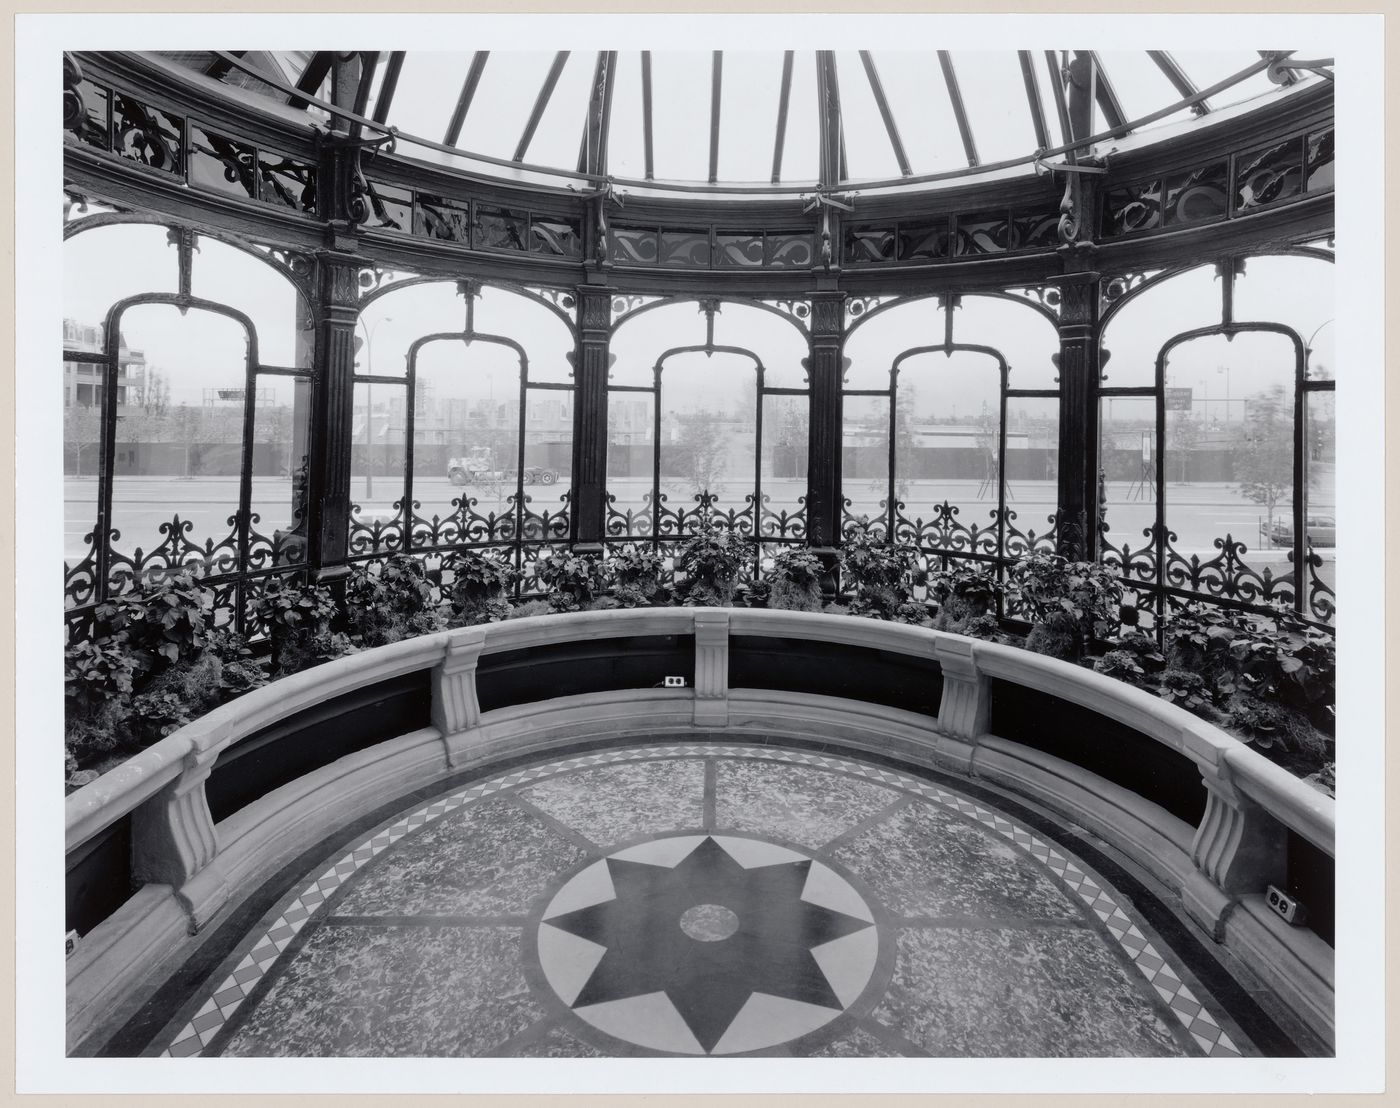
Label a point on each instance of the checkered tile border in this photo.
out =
(1095, 893)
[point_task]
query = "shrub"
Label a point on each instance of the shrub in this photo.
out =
(299, 618)
(175, 697)
(530, 608)
(394, 603)
(159, 625)
(1275, 729)
(710, 561)
(479, 586)
(574, 580)
(1072, 604)
(1122, 665)
(1188, 690)
(1291, 663)
(795, 582)
(881, 574)
(963, 593)
(1198, 639)
(636, 572)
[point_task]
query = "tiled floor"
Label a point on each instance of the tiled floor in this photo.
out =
(704, 900)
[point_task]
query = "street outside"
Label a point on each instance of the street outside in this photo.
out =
(1198, 512)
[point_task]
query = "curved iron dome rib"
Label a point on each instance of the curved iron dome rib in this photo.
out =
(1199, 97)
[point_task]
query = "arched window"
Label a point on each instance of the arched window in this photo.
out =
(707, 415)
(187, 381)
(463, 423)
(1218, 464)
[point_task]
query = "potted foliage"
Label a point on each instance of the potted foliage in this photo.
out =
(575, 581)
(881, 573)
(710, 561)
(1071, 604)
(479, 585)
(636, 572)
(299, 618)
(966, 595)
(794, 583)
(395, 602)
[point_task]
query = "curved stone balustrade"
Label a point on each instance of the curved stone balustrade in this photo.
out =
(193, 871)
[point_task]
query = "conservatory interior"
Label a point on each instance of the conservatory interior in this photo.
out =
(524, 508)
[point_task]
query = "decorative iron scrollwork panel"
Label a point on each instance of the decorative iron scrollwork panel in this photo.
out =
(1198, 196)
(1131, 208)
(1321, 154)
(439, 218)
(1269, 175)
(148, 135)
(982, 233)
(633, 246)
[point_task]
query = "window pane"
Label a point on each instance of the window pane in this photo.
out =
(377, 468)
(1321, 433)
(549, 439)
(1136, 333)
(1128, 505)
(182, 452)
(631, 443)
(873, 346)
(1231, 480)
(1025, 338)
(390, 324)
(281, 421)
(106, 264)
(1032, 468)
(785, 423)
(865, 468)
(947, 425)
(708, 410)
(1297, 292)
(230, 276)
(548, 342)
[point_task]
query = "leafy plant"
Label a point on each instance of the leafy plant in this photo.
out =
(479, 585)
(1072, 604)
(882, 575)
(1187, 690)
(1198, 639)
(1122, 665)
(963, 593)
(710, 561)
(1291, 663)
(161, 624)
(299, 618)
(574, 580)
(795, 581)
(636, 572)
(395, 602)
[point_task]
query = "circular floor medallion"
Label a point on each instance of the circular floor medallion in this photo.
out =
(707, 944)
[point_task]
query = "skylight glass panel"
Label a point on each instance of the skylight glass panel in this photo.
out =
(869, 155)
(994, 96)
(802, 143)
(506, 93)
(560, 133)
(1206, 67)
(914, 87)
(626, 135)
(1141, 86)
(681, 114)
(427, 92)
(749, 114)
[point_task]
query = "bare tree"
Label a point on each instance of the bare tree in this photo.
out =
(1263, 452)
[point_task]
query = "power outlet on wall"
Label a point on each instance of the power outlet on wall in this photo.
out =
(674, 682)
(1286, 906)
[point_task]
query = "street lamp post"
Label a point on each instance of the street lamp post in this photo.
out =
(369, 402)
(1307, 348)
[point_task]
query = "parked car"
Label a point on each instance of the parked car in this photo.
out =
(476, 467)
(1322, 531)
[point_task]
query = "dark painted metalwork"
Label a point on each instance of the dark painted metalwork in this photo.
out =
(647, 151)
(886, 116)
(1177, 76)
(388, 87)
(1042, 132)
(780, 134)
(590, 438)
(464, 101)
(716, 98)
(1078, 363)
(1107, 98)
(950, 78)
(556, 67)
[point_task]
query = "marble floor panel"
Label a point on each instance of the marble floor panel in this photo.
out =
(693, 899)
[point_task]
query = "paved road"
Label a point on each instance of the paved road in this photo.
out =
(1199, 513)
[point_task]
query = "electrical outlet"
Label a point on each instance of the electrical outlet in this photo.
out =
(70, 944)
(1287, 908)
(675, 682)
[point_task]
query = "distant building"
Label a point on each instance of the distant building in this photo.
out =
(82, 381)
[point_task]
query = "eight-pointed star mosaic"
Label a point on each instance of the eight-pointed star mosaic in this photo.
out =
(655, 940)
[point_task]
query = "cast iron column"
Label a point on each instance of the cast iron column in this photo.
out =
(333, 415)
(1078, 512)
(590, 453)
(824, 371)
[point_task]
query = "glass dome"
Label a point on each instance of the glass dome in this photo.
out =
(752, 121)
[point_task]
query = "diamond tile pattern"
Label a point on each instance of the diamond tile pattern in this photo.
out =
(267, 946)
